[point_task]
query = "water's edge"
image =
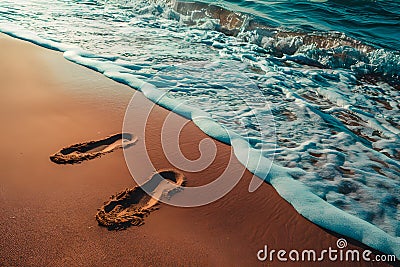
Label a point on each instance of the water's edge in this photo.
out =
(298, 195)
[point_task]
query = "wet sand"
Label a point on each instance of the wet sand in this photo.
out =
(48, 210)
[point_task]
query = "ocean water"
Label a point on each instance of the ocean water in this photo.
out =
(311, 87)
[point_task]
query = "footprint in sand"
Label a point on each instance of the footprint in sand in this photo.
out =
(89, 150)
(131, 206)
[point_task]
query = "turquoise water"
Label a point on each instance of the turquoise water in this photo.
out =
(311, 86)
(373, 22)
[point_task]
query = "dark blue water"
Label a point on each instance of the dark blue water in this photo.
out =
(373, 22)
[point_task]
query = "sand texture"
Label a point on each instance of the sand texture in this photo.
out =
(131, 206)
(92, 149)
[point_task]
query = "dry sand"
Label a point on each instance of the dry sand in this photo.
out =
(48, 211)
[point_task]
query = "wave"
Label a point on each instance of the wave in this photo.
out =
(329, 50)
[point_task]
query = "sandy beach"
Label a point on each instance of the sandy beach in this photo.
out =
(48, 210)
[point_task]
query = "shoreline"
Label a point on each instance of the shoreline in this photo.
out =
(46, 206)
